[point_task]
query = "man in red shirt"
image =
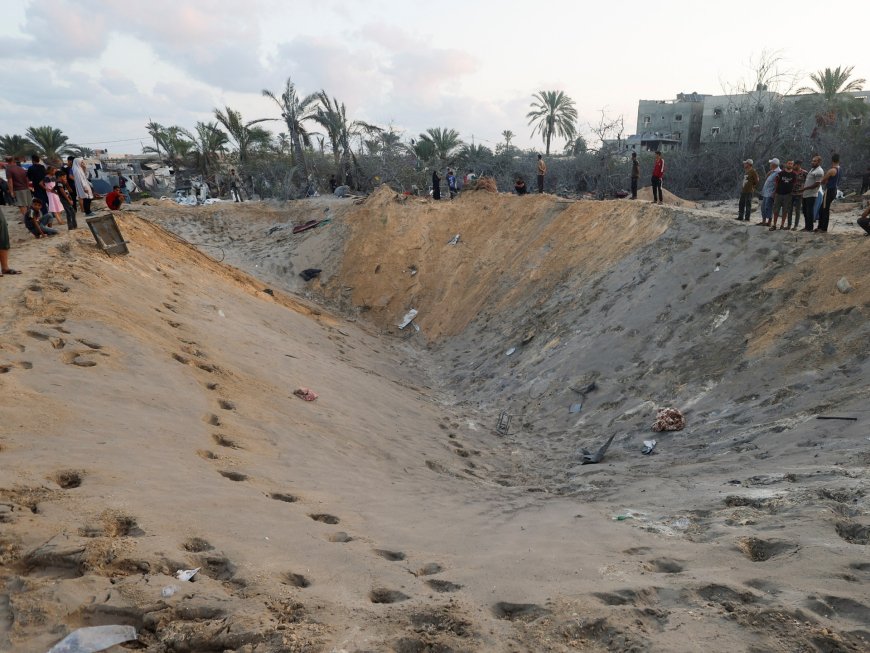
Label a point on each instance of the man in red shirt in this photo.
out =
(114, 199)
(657, 176)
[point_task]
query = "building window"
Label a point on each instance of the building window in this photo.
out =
(678, 117)
(678, 135)
(760, 109)
(717, 112)
(646, 120)
(855, 122)
(714, 131)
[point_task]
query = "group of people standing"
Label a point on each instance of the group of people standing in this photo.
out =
(56, 191)
(791, 191)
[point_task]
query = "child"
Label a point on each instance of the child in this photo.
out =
(33, 220)
(113, 199)
(49, 183)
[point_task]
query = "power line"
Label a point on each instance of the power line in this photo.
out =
(122, 140)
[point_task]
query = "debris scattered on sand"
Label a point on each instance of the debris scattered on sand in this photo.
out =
(306, 393)
(93, 639)
(454, 240)
(590, 458)
(844, 286)
(310, 273)
(648, 446)
(409, 317)
(186, 574)
(669, 419)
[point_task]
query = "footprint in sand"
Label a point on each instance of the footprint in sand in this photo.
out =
(287, 498)
(226, 405)
(340, 537)
(223, 441)
(384, 595)
(295, 580)
(211, 418)
(68, 478)
(196, 545)
(443, 585)
(233, 476)
(392, 556)
(37, 335)
(90, 343)
(325, 518)
(76, 358)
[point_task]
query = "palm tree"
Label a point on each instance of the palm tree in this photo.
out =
(508, 136)
(554, 114)
(171, 144)
(15, 145)
(332, 116)
(245, 134)
(156, 132)
(444, 143)
(50, 141)
(295, 112)
(79, 151)
(207, 143)
(834, 86)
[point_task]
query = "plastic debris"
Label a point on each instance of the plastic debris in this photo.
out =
(622, 517)
(409, 317)
(93, 639)
(186, 574)
(454, 240)
(590, 458)
(575, 408)
(669, 419)
(843, 285)
(648, 446)
(310, 273)
(168, 591)
(305, 393)
(510, 351)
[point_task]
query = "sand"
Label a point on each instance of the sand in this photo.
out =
(149, 425)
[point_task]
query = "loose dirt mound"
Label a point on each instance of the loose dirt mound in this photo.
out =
(645, 195)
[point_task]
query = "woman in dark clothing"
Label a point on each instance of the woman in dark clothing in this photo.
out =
(436, 185)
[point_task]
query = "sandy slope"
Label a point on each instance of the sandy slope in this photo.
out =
(149, 425)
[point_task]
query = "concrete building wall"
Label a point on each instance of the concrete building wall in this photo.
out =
(672, 124)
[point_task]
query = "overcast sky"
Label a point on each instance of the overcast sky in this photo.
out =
(101, 69)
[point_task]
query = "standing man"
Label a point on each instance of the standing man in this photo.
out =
(451, 183)
(797, 194)
(19, 186)
(70, 178)
(542, 170)
(635, 174)
(829, 182)
(864, 221)
(785, 183)
(4, 248)
(750, 183)
(811, 191)
(657, 176)
(122, 184)
(768, 190)
(234, 186)
(35, 174)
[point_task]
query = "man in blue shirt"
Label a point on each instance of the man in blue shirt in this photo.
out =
(767, 193)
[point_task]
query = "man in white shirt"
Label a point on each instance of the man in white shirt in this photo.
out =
(811, 190)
